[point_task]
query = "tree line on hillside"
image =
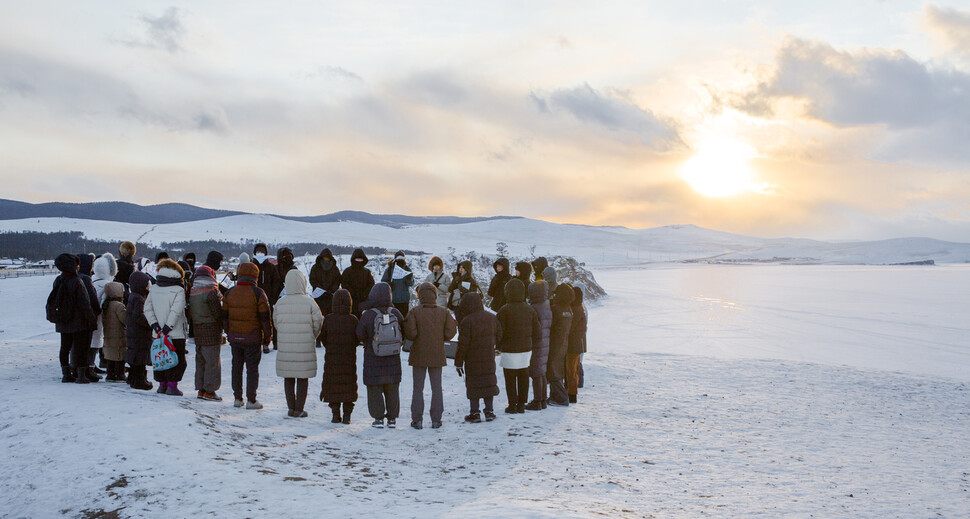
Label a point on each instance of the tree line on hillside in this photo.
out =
(35, 246)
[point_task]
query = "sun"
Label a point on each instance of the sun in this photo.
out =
(721, 167)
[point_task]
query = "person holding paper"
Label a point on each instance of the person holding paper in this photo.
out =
(401, 279)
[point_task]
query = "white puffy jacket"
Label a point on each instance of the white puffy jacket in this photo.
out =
(166, 305)
(298, 321)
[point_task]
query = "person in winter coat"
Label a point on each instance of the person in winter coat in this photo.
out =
(550, 277)
(439, 279)
(205, 315)
(325, 276)
(539, 266)
(429, 326)
(382, 374)
(69, 308)
(213, 260)
(105, 268)
(126, 264)
(558, 343)
(520, 331)
(189, 258)
(339, 337)
(165, 311)
(462, 283)
(269, 277)
(576, 345)
(496, 289)
(540, 349)
(399, 276)
(523, 272)
(246, 319)
(478, 334)
(298, 321)
(85, 271)
(138, 332)
(358, 280)
(285, 262)
(113, 320)
(269, 280)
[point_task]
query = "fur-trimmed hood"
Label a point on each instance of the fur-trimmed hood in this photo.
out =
(168, 268)
(105, 267)
(435, 260)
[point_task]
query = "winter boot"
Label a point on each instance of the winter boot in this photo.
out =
(162, 388)
(544, 404)
(535, 405)
(67, 375)
(511, 409)
(474, 418)
(435, 425)
(335, 409)
(572, 399)
(417, 425)
(489, 416)
(173, 389)
(81, 376)
(138, 377)
(348, 408)
(520, 408)
(93, 375)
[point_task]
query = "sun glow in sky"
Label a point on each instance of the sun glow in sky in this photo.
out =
(721, 167)
(766, 118)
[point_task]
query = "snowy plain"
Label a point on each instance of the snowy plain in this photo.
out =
(712, 390)
(595, 245)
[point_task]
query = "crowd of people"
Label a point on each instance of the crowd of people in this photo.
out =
(129, 311)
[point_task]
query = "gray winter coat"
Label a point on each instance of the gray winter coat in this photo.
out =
(540, 349)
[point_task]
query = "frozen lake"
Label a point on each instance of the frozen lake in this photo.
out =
(914, 319)
(723, 391)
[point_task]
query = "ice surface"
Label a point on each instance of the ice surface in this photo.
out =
(722, 391)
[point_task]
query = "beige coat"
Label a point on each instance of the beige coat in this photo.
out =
(113, 319)
(298, 322)
(166, 305)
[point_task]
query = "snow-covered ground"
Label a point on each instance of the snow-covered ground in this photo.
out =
(598, 246)
(725, 391)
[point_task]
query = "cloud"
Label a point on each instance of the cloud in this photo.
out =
(607, 110)
(164, 32)
(951, 26)
(924, 110)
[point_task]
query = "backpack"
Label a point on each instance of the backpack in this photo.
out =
(59, 308)
(388, 339)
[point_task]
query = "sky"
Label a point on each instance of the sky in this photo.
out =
(830, 120)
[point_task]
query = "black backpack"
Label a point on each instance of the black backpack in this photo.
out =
(59, 307)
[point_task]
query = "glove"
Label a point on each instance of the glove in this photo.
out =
(156, 328)
(461, 372)
(166, 330)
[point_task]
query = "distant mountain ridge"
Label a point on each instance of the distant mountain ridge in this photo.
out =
(180, 213)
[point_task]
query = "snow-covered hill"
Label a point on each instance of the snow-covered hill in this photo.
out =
(600, 246)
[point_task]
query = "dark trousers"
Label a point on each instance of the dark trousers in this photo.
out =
(174, 374)
(348, 408)
(474, 404)
(295, 400)
(403, 308)
(248, 357)
(539, 388)
(384, 401)
(417, 396)
(517, 385)
(557, 391)
(75, 349)
(208, 368)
